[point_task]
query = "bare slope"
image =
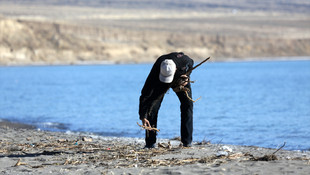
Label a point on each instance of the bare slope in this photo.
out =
(287, 6)
(63, 32)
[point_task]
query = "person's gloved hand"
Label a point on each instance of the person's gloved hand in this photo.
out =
(184, 80)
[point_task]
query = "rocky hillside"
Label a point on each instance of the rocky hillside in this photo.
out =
(75, 35)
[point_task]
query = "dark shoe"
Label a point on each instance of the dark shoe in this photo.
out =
(149, 146)
(187, 145)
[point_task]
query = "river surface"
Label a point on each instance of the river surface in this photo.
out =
(245, 103)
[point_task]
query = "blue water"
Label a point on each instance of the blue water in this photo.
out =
(245, 103)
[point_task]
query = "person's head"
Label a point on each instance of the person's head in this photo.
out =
(167, 71)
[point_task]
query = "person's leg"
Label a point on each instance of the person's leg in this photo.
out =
(150, 136)
(186, 117)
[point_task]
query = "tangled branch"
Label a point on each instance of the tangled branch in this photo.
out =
(148, 128)
(186, 90)
(190, 97)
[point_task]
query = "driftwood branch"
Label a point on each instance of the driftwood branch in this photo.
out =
(279, 148)
(190, 97)
(268, 157)
(179, 83)
(191, 69)
(20, 163)
(148, 128)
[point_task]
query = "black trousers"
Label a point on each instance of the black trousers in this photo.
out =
(186, 118)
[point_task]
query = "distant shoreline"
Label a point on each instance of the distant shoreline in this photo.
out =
(88, 63)
(7, 124)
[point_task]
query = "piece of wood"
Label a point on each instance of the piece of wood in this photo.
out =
(148, 128)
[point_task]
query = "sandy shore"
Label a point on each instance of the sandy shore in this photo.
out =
(24, 150)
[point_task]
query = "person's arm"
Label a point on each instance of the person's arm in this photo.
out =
(186, 78)
(182, 76)
(147, 92)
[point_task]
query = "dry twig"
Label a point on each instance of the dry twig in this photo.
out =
(279, 148)
(20, 163)
(190, 97)
(148, 128)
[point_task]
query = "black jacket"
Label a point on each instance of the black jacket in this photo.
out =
(153, 88)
